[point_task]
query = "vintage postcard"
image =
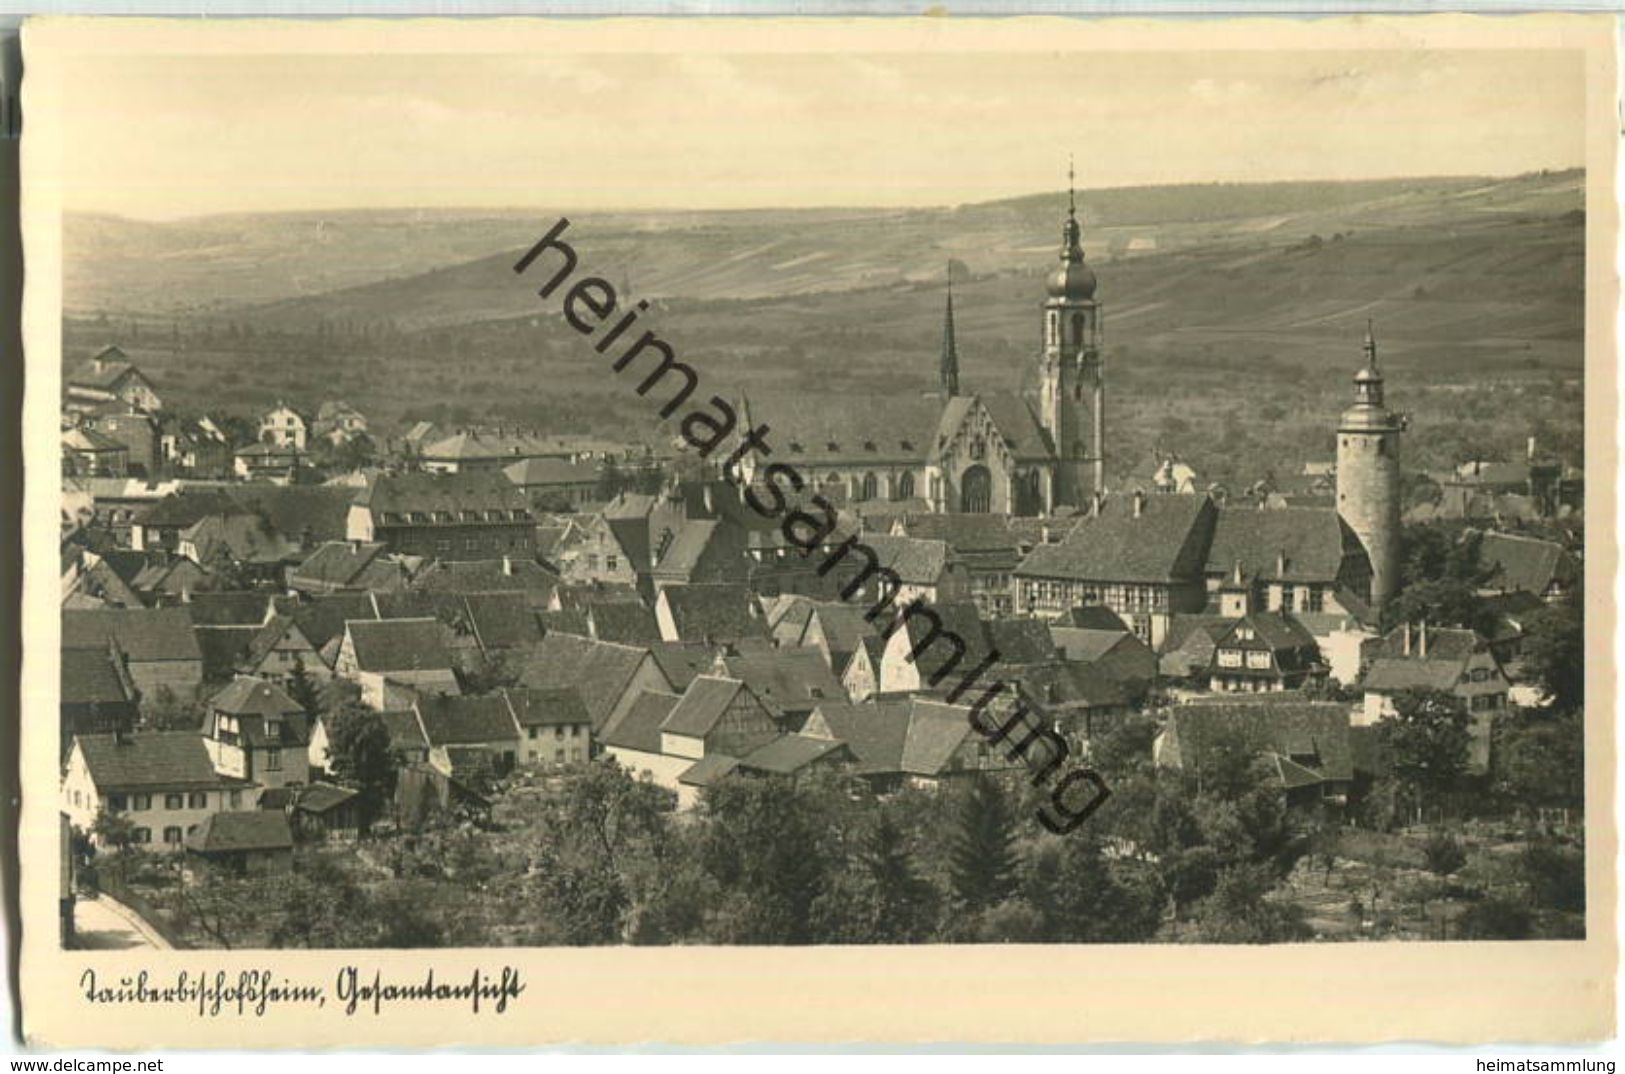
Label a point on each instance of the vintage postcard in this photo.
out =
(701, 531)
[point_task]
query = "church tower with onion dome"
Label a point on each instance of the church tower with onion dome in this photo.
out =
(1073, 385)
(1368, 475)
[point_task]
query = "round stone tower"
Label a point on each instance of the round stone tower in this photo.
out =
(1368, 475)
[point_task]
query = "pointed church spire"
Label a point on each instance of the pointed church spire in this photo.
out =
(1370, 345)
(950, 353)
(1072, 232)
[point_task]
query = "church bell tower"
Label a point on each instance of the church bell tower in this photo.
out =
(1073, 392)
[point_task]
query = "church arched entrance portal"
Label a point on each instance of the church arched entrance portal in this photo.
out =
(976, 491)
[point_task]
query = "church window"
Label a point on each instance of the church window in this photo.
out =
(871, 487)
(1077, 328)
(905, 486)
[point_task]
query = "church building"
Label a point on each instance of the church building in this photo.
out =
(953, 450)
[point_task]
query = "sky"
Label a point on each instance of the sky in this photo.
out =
(169, 136)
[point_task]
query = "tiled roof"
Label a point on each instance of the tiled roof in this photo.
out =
(1391, 673)
(935, 732)
(335, 563)
(94, 677)
(1085, 645)
(1310, 733)
(916, 561)
(1020, 641)
(702, 706)
(462, 721)
(707, 771)
(308, 514)
(90, 441)
(247, 830)
(552, 473)
(793, 680)
(405, 733)
(680, 661)
(715, 613)
(397, 494)
(548, 708)
(144, 634)
(1526, 563)
(1066, 684)
(399, 644)
(322, 618)
(844, 626)
(321, 798)
(152, 760)
(565, 622)
(639, 726)
(1168, 541)
(1014, 417)
(243, 538)
(789, 754)
(962, 532)
(875, 731)
(602, 671)
(501, 620)
(851, 429)
(958, 618)
(623, 621)
(224, 648)
(249, 696)
(1314, 541)
(488, 576)
(103, 371)
(228, 609)
(579, 596)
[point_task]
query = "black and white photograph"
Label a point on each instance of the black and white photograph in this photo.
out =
(821, 497)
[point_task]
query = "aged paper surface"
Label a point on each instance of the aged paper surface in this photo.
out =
(246, 160)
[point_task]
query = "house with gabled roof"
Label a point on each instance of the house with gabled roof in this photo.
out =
(607, 675)
(1143, 557)
(1515, 563)
(469, 723)
(280, 648)
(1308, 743)
(253, 843)
(555, 484)
(97, 696)
(716, 715)
(502, 575)
(163, 781)
(1265, 652)
(1295, 559)
(462, 516)
(633, 739)
(622, 622)
(254, 731)
(157, 644)
(407, 652)
(794, 754)
(89, 453)
(1118, 654)
(1457, 662)
(985, 546)
(789, 682)
(926, 569)
(110, 376)
(349, 565)
(555, 728)
(860, 676)
(716, 614)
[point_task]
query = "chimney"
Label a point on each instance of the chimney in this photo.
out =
(1280, 564)
(1407, 637)
(1139, 502)
(1422, 649)
(507, 567)
(710, 505)
(1043, 533)
(1531, 449)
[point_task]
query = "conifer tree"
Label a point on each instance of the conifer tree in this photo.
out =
(982, 857)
